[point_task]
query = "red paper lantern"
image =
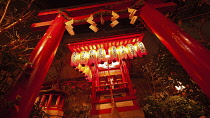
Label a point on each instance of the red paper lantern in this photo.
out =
(101, 55)
(113, 54)
(75, 59)
(122, 53)
(84, 57)
(93, 57)
(140, 49)
(131, 51)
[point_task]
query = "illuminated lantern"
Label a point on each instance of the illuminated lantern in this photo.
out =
(84, 57)
(122, 53)
(75, 59)
(80, 68)
(131, 51)
(89, 77)
(113, 54)
(93, 57)
(140, 49)
(86, 71)
(101, 55)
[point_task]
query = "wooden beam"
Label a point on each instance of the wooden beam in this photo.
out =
(163, 7)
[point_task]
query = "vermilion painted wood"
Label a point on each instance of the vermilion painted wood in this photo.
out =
(114, 40)
(190, 54)
(80, 13)
(41, 59)
(119, 109)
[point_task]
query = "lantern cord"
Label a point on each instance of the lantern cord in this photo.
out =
(114, 112)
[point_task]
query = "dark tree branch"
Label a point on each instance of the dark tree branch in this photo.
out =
(26, 16)
(5, 11)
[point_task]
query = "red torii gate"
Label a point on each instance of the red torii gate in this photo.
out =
(190, 54)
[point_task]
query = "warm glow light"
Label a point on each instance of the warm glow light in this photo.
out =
(110, 44)
(121, 52)
(94, 47)
(117, 43)
(134, 40)
(112, 65)
(113, 53)
(113, 43)
(86, 48)
(98, 46)
(84, 57)
(90, 47)
(121, 42)
(131, 51)
(75, 59)
(101, 55)
(78, 49)
(102, 46)
(180, 87)
(93, 57)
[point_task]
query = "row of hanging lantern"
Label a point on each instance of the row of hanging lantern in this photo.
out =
(86, 71)
(121, 52)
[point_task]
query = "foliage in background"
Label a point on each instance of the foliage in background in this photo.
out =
(78, 103)
(161, 75)
(172, 107)
(16, 42)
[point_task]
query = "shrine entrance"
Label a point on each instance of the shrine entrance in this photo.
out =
(103, 62)
(193, 57)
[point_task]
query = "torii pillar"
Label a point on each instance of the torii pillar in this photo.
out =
(193, 57)
(41, 59)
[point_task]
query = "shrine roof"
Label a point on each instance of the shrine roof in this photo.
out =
(105, 42)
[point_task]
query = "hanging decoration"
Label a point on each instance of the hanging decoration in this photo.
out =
(102, 20)
(113, 19)
(75, 59)
(140, 49)
(86, 71)
(69, 27)
(101, 55)
(122, 53)
(93, 57)
(131, 15)
(131, 51)
(84, 57)
(113, 54)
(93, 24)
(80, 68)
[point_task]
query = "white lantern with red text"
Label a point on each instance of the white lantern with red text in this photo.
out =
(93, 57)
(113, 54)
(84, 57)
(122, 53)
(131, 51)
(101, 55)
(140, 49)
(75, 59)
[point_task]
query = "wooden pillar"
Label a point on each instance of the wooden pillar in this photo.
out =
(41, 59)
(193, 57)
(43, 97)
(58, 101)
(130, 87)
(49, 100)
